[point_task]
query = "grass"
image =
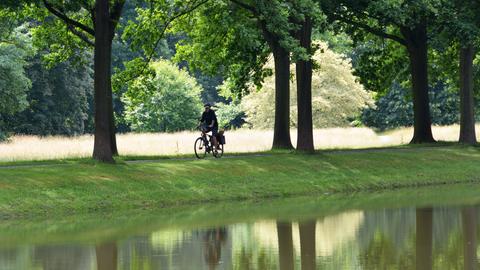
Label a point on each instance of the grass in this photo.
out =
(83, 186)
(31, 148)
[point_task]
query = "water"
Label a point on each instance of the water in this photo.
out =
(436, 230)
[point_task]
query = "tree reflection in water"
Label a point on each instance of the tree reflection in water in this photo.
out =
(107, 254)
(214, 240)
(392, 239)
(423, 242)
(285, 245)
(469, 220)
(307, 244)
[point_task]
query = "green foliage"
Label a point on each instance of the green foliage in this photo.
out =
(13, 82)
(395, 109)
(53, 36)
(379, 62)
(337, 97)
(168, 100)
(223, 39)
(230, 115)
(58, 103)
(338, 42)
(230, 38)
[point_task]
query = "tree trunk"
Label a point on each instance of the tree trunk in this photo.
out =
(416, 39)
(469, 220)
(285, 245)
(281, 132)
(113, 129)
(102, 149)
(467, 104)
(304, 91)
(424, 236)
(307, 244)
(106, 256)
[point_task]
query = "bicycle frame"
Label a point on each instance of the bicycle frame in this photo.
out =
(208, 145)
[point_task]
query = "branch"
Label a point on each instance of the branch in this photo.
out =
(245, 6)
(81, 35)
(116, 12)
(10, 42)
(372, 30)
(162, 34)
(92, 16)
(68, 20)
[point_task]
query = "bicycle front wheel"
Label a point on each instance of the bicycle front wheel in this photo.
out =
(200, 148)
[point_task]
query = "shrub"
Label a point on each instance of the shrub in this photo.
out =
(395, 109)
(230, 115)
(167, 100)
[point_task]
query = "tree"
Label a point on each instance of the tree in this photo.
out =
(394, 109)
(167, 101)
(337, 97)
(405, 23)
(303, 70)
(461, 24)
(13, 82)
(14, 48)
(58, 101)
(91, 24)
(106, 19)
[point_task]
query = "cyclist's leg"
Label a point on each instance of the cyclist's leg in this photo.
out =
(214, 136)
(205, 133)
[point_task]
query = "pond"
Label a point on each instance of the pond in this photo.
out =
(422, 228)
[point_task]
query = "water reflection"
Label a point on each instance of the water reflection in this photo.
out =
(469, 220)
(409, 238)
(423, 243)
(285, 245)
(106, 254)
(214, 242)
(307, 244)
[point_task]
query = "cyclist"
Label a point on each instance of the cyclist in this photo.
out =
(209, 119)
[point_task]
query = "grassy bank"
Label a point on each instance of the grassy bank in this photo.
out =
(85, 186)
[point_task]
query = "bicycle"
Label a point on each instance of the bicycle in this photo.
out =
(204, 145)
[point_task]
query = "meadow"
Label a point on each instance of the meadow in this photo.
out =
(26, 148)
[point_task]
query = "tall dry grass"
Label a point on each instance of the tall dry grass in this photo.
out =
(243, 140)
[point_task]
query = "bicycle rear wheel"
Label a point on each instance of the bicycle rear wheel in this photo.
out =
(200, 148)
(219, 152)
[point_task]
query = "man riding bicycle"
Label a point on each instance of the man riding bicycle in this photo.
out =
(209, 119)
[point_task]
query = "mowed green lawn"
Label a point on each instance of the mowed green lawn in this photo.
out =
(84, 186)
